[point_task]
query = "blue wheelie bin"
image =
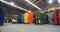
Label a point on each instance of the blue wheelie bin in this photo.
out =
(21, 19)
(2, 14)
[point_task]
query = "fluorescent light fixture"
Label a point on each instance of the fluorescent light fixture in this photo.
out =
(33, 4)
(12, 4)
(50, 1)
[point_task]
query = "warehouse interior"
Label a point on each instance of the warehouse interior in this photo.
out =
(29, 15)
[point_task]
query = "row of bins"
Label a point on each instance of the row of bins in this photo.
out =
(2, 14)
(26, 18)
(29, 17)
(39, 18)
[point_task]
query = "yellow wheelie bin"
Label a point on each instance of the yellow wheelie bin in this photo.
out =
(25, 18)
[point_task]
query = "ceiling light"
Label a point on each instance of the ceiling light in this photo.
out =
(50, 1)
(12, 4)
(33, 4)
(58, 1)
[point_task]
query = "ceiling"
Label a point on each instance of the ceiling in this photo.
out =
(40, 3)
(43, 4)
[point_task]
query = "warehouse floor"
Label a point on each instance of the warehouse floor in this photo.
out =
(8, 27)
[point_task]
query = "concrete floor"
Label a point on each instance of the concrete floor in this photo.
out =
(29, 28)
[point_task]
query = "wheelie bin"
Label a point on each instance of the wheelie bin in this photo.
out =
(26, 18)
(22, 18)
(30, 17)
(2, 15)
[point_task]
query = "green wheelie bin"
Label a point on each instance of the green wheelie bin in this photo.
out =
(46, 19)
(41, 18)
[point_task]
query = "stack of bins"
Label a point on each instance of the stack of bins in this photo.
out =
(41, 18)
(30, 17)
(26, 18)
(2, 14)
